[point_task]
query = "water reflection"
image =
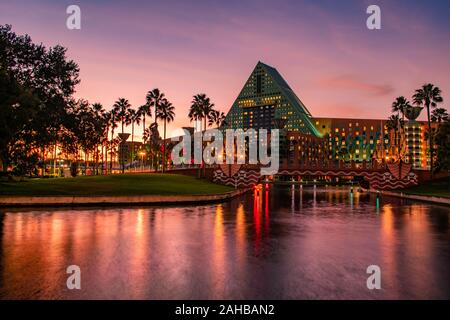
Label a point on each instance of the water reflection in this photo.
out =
(275, 242)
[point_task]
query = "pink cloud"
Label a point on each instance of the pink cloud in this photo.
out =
(352, 82)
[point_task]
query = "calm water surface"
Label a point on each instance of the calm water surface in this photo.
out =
(286, 243)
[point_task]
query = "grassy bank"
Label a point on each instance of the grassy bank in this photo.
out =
(110, 185)
(439, 188)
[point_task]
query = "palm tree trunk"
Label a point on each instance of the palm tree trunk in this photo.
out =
(132, 143)
(122, 143)
(143, 128)
(430, 144)
(164, 150)
(155, 162)
(143, 139)
(203, 163)
(96, 160)
(103, 162)
(111, 151)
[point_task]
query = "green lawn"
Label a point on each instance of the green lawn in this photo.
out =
(439, 188)
(126, 184)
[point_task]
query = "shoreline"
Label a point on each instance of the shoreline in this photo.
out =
(75, 201)
(415, 197)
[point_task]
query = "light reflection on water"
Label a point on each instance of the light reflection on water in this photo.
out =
(283, 243)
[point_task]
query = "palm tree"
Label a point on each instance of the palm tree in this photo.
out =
(201, 109)
(99, 127)
(147, 134)
(112, 119)
(429, 96)
(441, 139)
(106, 121)
(439, 115)
(195, 112)
(122, 107)
(134, 118)
(204, 107)
(144, 111)
(167, 114)
(393, 124)
(400, 105)
(151, 135)
(154, 99)
(217, 118)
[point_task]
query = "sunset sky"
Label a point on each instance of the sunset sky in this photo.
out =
(323, 49)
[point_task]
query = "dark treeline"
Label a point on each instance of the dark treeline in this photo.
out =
(36, 104)
(39, 114)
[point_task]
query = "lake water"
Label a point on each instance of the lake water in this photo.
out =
(282, 243)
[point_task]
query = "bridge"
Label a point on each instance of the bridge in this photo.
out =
(382, 176)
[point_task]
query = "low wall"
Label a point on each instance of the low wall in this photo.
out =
(36, 201)
(439, 200)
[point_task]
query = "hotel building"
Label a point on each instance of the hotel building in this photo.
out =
(267, 101)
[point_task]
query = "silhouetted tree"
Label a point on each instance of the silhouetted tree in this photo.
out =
(429, 96)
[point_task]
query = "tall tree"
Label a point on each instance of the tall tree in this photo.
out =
(429, 96)
(105, 141)
(166, 113)
(393, 125)
(144, 111)
(49, 80)
(401, 105)
(151, 135)
(442, 140)
(217, 118)
(99, 129)
(122, 107)
(154, 99)
(201, 109)
(135, 118)
(439, 115)
(112, 117)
